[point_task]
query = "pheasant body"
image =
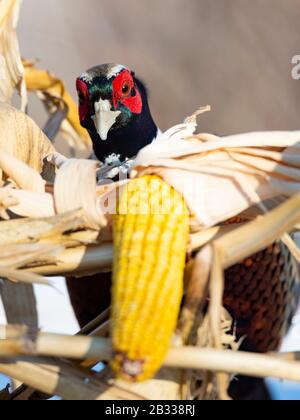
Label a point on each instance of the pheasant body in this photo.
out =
(262, 294)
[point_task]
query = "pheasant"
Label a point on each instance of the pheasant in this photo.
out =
(261, 293)
(113, 107)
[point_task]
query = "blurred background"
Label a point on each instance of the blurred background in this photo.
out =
(232, 54)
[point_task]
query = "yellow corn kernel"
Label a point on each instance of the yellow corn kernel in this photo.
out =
(150, 238)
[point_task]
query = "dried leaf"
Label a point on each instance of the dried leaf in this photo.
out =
(223, 177)
(21, 174)
(11, 67)
(75, 187)
(53, 93)
(27, 203)
(21, 138)
(30, 230)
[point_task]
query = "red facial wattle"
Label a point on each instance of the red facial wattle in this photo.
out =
(134, 103)
(83, 92)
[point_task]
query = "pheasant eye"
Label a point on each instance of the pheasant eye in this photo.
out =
(126, 89)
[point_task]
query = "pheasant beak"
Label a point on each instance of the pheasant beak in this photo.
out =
(104, 118)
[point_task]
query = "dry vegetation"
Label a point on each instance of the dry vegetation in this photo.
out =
(53, 223)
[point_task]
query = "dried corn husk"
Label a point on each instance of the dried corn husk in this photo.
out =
(21, 138)
(75, 187)
(21, 250)
(21, 174)
(223, 177)
(218, 180)
(23, 148)
(198, 166)
(53, 93)
(26, 203)
(11, 68)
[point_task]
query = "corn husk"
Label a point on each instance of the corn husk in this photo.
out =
(202, 162)
(75, 187)
(11, 67)
(223, 177)
(52, 92)
(23, 149)
(21, 138)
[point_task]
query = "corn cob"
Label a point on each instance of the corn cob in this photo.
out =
(150, 238)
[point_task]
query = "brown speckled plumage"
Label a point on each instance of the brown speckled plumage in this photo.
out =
(262, 294)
